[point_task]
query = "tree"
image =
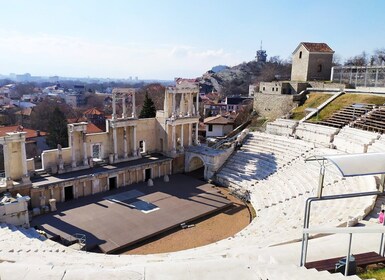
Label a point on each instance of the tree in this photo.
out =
(148, 109)
(57, 129)
(358, 60)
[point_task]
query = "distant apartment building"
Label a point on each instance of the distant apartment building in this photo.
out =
(76, 97)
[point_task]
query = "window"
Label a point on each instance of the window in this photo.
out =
(96, 150)
(272, 89)
(300, 54)
(263, 88)
(210, 127)
(319, 68)
(142, 146)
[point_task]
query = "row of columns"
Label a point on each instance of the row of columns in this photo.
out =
(182, 108)
(85, 154)
(173, 135)
(124, 113)
(133, 177)
(125, 142)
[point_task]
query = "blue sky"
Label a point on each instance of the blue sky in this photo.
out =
(169, 38)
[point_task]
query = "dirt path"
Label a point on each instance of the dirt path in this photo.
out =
(205, 231)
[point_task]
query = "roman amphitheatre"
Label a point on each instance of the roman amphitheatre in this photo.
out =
(312, 178)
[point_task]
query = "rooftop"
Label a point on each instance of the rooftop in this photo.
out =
(317, 47)
(18, 128)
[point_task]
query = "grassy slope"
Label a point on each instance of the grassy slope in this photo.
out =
(376, 274)
(337, 104)
(313, 101)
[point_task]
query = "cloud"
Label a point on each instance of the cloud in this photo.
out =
(44, 54)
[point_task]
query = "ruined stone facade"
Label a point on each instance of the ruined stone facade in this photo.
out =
(131, 150)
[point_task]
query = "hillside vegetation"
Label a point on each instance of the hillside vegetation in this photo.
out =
(236, 80)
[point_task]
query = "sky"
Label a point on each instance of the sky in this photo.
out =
(164, 39)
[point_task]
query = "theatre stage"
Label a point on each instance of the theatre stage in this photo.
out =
(119, 218)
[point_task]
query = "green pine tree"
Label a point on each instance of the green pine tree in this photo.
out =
(148, 109)
(57, 129)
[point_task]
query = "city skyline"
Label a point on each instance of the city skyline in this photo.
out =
(163, 40)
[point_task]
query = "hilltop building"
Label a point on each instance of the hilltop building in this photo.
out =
(311, 61)
(311, 65)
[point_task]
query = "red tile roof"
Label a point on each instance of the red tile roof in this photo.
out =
(218, 120)
(317, 47)
(91, 128)
(16, 128)
(92, 111)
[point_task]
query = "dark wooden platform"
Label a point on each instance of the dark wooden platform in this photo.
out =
(116, 219)
(361, 260)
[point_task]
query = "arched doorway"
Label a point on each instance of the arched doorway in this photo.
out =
(196, 168)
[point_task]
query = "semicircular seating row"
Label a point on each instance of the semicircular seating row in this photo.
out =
(270, 167)
(347, 139)
(272, 170)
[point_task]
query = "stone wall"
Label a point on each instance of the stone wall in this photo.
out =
(272, 106)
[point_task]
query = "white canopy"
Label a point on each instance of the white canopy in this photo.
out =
(356, 164)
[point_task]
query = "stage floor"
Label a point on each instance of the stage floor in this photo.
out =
(122, 217)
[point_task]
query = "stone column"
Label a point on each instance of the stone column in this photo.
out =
(125, 142)
(85, 158)
(114, 136)
(73, 159)
(62, 195)
(23, 158)
(134, 152)
(190, 104)
(6, 160)
(84, 187)
(189, 133)
(133, 106)
(181, 138)
(197, 107)
(181, 106)
(173, 139)
(124, 114)
(159, 170)
(113, 106)
(196, 133)
(75, 191)
(173, 105)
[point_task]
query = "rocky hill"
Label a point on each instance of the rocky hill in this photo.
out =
(236, 80)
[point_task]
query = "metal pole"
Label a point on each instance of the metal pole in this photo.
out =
(381, 251)
(348, 256)
(305, 236)
(321, 181)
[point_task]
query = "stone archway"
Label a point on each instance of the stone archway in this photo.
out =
(197, 166)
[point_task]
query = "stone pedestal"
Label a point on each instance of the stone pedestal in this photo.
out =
(166, 178)
(52, 204)
(150, 183)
